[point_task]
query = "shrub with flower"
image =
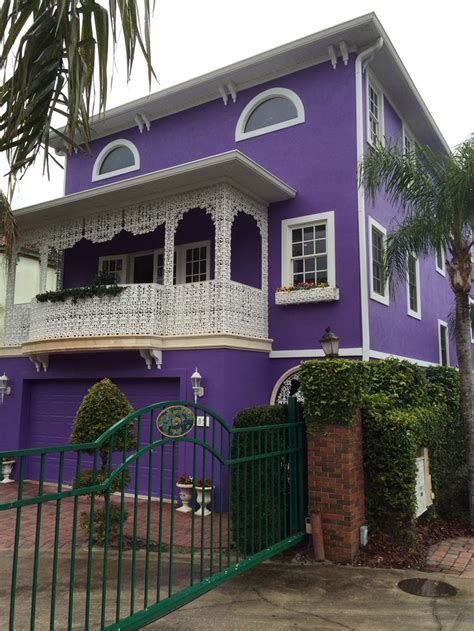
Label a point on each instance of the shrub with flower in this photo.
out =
(305, 285)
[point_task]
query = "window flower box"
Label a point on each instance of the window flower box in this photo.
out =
(299, 294)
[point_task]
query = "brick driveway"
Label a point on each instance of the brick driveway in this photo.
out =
(182, 523)
(454, 557)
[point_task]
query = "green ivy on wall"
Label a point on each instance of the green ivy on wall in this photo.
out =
(404, 408)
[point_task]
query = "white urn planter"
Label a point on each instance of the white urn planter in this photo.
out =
(204, 496)
(300, 296)
(185, 495)
(7, 466)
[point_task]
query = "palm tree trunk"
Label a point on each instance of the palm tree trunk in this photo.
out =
(463, 349)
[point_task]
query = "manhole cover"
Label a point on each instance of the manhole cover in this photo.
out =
(427, 587)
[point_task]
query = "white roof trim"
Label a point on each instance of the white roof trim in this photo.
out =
(233, 167)
(277, 62)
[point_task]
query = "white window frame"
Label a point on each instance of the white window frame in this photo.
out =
(181, 260)
(121, 142)
(241, 134)
(117, 257)
(448, 360)
(128, 262)
(471, 302)
(374, 84)
(385, 298)
(287, 225)
(407, 134)
(441, 270)
(411, 312)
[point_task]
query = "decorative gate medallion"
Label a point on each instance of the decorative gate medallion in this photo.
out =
(175, 421)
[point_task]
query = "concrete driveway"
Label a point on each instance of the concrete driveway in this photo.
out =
(325, 597)
(272, 596)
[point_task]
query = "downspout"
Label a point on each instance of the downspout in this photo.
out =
(362, 60)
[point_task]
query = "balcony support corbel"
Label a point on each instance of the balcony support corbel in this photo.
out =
(40, 362)
(151, 355)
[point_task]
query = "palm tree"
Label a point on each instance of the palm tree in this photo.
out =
(435, 194)
(54, 60)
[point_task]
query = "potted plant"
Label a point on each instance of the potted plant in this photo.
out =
(185, 486)
(203, 492)
(7, 466)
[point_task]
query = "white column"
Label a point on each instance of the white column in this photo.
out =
(223, 218)
(168, 263)
(10, 296)
(44, 251)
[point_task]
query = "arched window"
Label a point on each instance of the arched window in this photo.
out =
(116, 158)
(269, 111)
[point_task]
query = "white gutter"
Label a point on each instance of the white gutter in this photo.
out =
(362, 60)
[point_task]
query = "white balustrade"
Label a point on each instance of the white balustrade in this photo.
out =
(146, 309)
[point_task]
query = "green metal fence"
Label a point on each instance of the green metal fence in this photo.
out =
(107, 549)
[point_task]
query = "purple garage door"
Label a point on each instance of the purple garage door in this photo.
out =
(53, 406)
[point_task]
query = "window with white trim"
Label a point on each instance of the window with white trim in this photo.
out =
(409, 144)
(441, 261)
(375, 128)
(443, 341)
(308, 250)
(471, 308)
(413, 286)
(191, 265)
(115, 267)
(379, 289)
(270, 111)
(118, 157)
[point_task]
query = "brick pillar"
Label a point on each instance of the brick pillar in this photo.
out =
(336, 487)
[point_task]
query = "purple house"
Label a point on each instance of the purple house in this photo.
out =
(202, 200)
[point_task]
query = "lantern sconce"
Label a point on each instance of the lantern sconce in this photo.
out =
(4, 387)
(330, 343)
(196, 385)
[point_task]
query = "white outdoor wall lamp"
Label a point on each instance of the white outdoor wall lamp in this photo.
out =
(4, 387)
(198, 390)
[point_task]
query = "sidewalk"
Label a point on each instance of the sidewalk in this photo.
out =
(454, 557)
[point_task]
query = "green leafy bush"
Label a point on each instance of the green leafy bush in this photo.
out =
(332, 391)
(104, 285)
(100, 520)
(404, 408)
(103, 405)
(252, 483)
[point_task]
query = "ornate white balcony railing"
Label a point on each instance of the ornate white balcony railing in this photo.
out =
(146, 309)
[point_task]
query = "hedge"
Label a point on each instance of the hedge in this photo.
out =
(252, 517)
(405, 407)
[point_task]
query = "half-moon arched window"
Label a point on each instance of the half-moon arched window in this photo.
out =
(269, 111)
(116, 158)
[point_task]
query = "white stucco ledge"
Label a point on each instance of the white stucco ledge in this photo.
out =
(137, 342)
(300, 296)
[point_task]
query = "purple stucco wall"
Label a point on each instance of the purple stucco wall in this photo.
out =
(392, 330)
(317, 158)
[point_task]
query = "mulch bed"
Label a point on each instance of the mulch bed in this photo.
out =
(385, 551)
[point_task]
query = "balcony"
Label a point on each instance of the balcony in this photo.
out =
(140, 317)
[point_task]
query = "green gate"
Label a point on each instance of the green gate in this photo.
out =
(92, 538)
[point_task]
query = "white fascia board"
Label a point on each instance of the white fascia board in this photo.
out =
(313, 352)
(233, 167)
(412, 360)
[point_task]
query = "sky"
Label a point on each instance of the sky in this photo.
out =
(433, 38)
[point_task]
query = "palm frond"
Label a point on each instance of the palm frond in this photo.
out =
(55, 53)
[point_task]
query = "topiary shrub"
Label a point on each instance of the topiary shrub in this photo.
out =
(102, 406)
(257, 516)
